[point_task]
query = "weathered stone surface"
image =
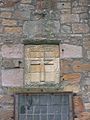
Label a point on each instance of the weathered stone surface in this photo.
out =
(12, 51)
(73, 88)
(84, 116)
(62, 5)
(69, 18)
(17, 30)
(66, 66)
(79, 9)
(70, 51)
(88, 54)
(8, 22)
(78, 104)
(26, 1)
(1, 29)
(5, 14)
(87, 106)
(6, 114)
(6, 99)
(66, 29)
(22, 15)
(81, 67)
(86, 42)
(40, 27)
(80, 28)
(12, 77)
(10, 63)
(72, 78)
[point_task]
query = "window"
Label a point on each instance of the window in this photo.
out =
(56, 106)
(42, 63)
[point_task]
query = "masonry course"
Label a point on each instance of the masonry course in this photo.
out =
(68, 22)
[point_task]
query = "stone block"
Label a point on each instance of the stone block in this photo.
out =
(6, 114)
(21, 15)
(80, 28)
(6, 99)
(88, 54)
(70, 51)
(75, 88)
(12, 77)
(81, 67)
(69, 18)
(63, 5)
(66, 29)
(40, 27)
(83, 2)
(1, 29)
(12, 51)
(79, 9)
(16, 30)
(78, 104)
(87, 106)
(84, 116)
(5, 14)
(26, 1)
(10, 63)
(72, 78)
(8, 22)
(66, 66)
(86, 42)
(65, 11)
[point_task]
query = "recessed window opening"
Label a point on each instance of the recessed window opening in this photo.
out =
(47, 106)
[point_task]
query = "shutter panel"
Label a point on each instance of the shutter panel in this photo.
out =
(42, 63)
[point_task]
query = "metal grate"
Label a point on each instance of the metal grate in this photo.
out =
(44, 107)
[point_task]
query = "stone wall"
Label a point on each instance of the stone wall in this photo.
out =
(66, 21)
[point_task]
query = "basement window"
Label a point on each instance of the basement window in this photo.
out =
(50, 106)
(42, 63)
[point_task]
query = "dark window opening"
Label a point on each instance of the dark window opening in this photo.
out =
(56, 106)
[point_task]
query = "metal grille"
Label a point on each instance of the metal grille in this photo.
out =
(44, 107)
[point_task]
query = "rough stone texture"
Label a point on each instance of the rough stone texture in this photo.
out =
(12, 51)
(80, 28)
(7, 22)
(72, 78)
(70, 51)
(78, 103)
(5, 14)
(17, 30)
(12, 77)
(69, 18)
(67, 21)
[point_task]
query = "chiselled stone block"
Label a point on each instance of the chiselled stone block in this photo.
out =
(80, 28)
(69, 18)
(81, 67)
(78, 104)
(88, 54)
(84, 116)
(9, 22)
(26, 1)
(16, 30)
(6, 114)
(73, 88)
(12, 77)
(70, 51)
(6, 14)
(12, 51)
(72, 78)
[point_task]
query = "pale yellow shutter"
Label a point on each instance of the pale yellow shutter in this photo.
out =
(42, 63)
